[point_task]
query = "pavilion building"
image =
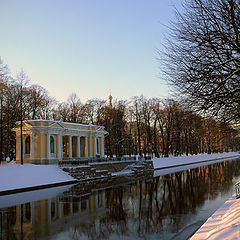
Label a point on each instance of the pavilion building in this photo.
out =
(46, 141)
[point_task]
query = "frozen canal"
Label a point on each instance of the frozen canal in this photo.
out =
(171, 206)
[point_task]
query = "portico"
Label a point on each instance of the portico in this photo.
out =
(46, 141)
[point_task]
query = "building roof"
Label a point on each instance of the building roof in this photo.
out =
(58, 127)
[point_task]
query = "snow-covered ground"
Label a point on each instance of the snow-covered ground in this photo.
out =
(16, 176)
(161, 163)
(223, 224)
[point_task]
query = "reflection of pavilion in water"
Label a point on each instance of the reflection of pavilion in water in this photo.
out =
(43, 216)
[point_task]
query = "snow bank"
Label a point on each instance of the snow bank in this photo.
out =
(169, 170)
(223, 224)
(159, 163)
(16, 176)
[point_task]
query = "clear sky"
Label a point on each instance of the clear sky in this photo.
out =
(87, 46)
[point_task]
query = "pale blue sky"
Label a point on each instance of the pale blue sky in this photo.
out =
(87, 46)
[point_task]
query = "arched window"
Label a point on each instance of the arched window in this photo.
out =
(27, 145)
(52, 144)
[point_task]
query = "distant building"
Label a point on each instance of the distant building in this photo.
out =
(46, 141)
(110, 99)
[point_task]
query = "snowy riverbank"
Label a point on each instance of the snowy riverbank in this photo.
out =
(169, 162)
(16, 177)
(223, 224)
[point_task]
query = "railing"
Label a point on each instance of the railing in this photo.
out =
(237, 189)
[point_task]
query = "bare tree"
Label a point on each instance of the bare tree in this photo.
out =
(202, 56)
(62, 112)
(22, 80)
(4, 76)
(95, 110)
(75, 108)
(37, 101)
(114, 122)
(136, 106)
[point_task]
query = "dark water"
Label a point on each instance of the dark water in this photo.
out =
(170, 206)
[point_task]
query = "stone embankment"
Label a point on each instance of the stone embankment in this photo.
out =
(93, 171)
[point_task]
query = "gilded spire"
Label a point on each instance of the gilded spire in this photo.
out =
(110, 99)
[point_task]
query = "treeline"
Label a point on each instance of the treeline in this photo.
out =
(138, 126)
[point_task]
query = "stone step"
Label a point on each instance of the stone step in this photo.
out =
(86, 172)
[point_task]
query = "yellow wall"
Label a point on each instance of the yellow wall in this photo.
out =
(74, 146)
(43, 142)
(17, 147)
(90, 146)
(82, 142)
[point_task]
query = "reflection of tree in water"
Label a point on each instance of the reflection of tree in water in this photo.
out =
(116, 217)
(115, 203)
(92, 228)
(113, 222)
(167, 199)
(10, 221)
(163, 203)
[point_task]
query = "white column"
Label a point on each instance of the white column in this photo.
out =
(70, 147)
(102, 145)
(86, 146)
(59, 150)
(95, 147)
(32, 146)
(48, 146)
(78, 146)
(19, 147)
